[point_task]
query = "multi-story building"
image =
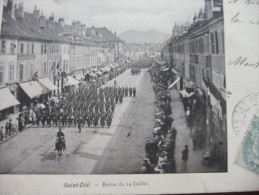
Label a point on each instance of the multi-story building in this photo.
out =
(36, 50)
(106, 36)
(197, 53)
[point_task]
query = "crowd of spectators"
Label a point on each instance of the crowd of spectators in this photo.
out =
(160, 149)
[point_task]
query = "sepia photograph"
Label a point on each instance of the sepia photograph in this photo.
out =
(113, 87)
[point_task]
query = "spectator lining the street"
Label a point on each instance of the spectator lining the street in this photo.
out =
(160, 150)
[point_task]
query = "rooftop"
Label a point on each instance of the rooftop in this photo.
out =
(36, 27)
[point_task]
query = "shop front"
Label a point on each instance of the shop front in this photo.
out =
(30, 94)
(70, 84)
(48, 87)
(8, 101)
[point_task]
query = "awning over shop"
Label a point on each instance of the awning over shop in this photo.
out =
(79, 75)
(106, 69)
(174, 83)
(116, 64)
(70, 81)
(213, 100)
(7, 99)
(184, 93)
(111, 65)
(174, 71)
(47, 83)
(32, 89)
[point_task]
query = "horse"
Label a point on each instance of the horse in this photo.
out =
(60, 146)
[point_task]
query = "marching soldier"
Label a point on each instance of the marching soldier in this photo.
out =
(130, 91)
(134, 91)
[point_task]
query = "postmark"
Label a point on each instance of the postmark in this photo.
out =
(248, 156)
(244, 112)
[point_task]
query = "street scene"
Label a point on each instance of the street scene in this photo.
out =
(81, 99)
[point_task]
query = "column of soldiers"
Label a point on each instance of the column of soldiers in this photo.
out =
(91, 106)
(135, 71)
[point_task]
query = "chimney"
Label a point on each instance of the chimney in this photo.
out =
(82, 27)
(10, 9)
(61, 21)
(194, 18)
(42, 20)
(36, 13)
(208, 9)
(93, 30)
(19, 11)
(51, 18)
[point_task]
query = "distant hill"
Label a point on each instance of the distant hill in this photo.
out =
(150, 36)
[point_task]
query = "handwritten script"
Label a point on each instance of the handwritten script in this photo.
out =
(239, 17)
(243, 61)
(244, 2)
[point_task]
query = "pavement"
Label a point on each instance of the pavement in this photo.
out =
(125, 152)
(14, 121)
(184, 138)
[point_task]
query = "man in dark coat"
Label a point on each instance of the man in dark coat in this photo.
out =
(79, 124)
(7, 129)
(185, 155)
(130, 91)
(134, 91)
(10, 126)
(148, 148)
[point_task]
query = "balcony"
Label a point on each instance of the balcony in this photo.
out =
(26, 57)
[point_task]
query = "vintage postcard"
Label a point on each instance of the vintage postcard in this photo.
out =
(129, 96)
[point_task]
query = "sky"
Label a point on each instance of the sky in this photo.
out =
(120, 15)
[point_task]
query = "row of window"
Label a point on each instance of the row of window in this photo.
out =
(28, 48)
(208, 43)
(25, 71)
(10, 73)
(4, 47)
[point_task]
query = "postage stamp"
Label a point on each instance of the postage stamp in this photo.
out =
(248, 156)
(244, 112)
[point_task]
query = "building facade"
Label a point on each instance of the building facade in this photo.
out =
(34, 47)
(197, 54)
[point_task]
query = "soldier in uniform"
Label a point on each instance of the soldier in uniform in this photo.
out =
(109, 120)
(130, 91)
(48, 118)
(38, 119)
(134, 91)
(96, 119)
(43, 119)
